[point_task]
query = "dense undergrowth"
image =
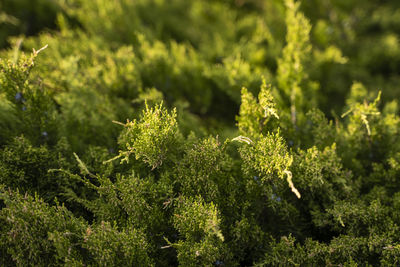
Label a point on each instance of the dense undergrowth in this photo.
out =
(199, 133)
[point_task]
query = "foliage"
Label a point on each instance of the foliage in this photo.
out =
(151, 139)
(118, 143)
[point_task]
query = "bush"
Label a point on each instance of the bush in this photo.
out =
(118, 143)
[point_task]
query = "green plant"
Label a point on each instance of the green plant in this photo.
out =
(118, 143)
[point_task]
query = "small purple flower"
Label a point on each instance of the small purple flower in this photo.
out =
(18, 96)
(276, 198)
(219, 263)
(45, 134)
(23, 108)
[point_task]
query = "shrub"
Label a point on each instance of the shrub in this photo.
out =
(118, 143)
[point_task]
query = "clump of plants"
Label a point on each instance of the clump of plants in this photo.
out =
(127, 139)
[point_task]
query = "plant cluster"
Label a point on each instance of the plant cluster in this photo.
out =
(199, 133)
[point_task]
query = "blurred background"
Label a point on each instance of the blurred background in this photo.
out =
(197, 55)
